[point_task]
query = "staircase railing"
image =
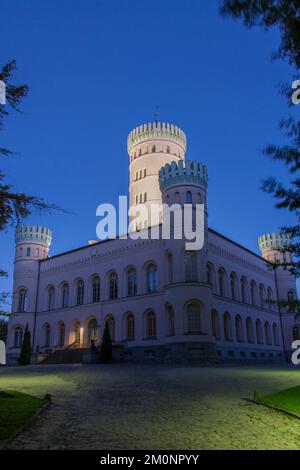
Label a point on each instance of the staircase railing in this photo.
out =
(73, 345)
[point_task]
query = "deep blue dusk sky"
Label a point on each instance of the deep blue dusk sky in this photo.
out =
(98, 68)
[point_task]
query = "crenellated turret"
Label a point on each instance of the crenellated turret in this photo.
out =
(273, 245)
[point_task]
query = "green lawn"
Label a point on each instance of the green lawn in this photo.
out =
(16, 409)
(288, 399)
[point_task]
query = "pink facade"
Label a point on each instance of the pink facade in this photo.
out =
(162, 302)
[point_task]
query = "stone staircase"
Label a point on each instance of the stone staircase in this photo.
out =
(65, 356)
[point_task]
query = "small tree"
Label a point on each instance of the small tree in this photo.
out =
(106, 347)
(25, 355)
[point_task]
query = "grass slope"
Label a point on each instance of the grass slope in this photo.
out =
(288, 399)
(16, 409)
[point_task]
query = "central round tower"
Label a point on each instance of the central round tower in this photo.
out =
(151, 146)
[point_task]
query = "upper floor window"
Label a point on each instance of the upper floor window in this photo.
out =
(130, 327)
(243, 290)
(22, 306)
(113, 286)
(96, 289)
(65, 295)
(152, 279)
(131, 283)
(221, 279)
(253, 293)
(194, 320)
(151, 325)
(188, 197)
(51, 294)
(80, 292)
(190, 262)
(233, 286)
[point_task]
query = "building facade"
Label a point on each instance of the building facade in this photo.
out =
(161, 301)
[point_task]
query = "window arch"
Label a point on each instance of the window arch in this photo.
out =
(222, 282)
(215, 324)
(51, 296)
(131, 282)
(227, 327)
(194, 319)
(171, 321)
(80, 292)
(111, 325)
(275, 334)
(153, 148)
(244, 290)
(268, 333)
(188, 197)
(96, 286)
(130, 326)
(239, 329)
(47, 335)
(92, 331)
(22, 302)
(296, 333)
(233, 286)
(249, 329)
(190, 263)
(61, 334)
(150, 325)
(253, 293)
(259, 334)
(152, 278)
(18, 337)
(262, 296)
(65, 295)
(28, 251)
(113, 285)
(210, 275)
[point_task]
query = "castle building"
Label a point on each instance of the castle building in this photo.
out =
(162, 302)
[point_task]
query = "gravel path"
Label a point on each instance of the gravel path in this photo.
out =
(154, 407)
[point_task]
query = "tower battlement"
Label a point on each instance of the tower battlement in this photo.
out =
(273, 241)
(156, 130)
(183, 172)
(33, 234)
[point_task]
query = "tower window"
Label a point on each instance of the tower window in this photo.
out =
(145, 197)
(189, 197)
(28, 251)
(145, 172)
(168, 149)
(154, 148)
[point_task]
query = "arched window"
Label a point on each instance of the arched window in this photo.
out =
(131, 283)
(170, 267)
(65, 295)
(113, 286)
(194, 319)
(79, 292)
(253, 293)
(249, 328)
(270, 299)
(233, 286)
(188, 197)
(18, 337)
(210, 274)
(168, 149)
(275, 334)
(268, 333)
(153, 148)
(239, 329)
(47, 335)
(22, 307)
(28, 251)
(145, 197)
(92, 331)
(296, 334)
(291, 306)
(244, 290)
(262, 296)
(51, 295)
(227, 327)
(221, 280)
(130, 327)
(259, 334)
(61, 334)
(150, 325)
(96, 289)
(111, 325)
(171, 321)
(215, 324)
(152, 279)
(190, 263)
